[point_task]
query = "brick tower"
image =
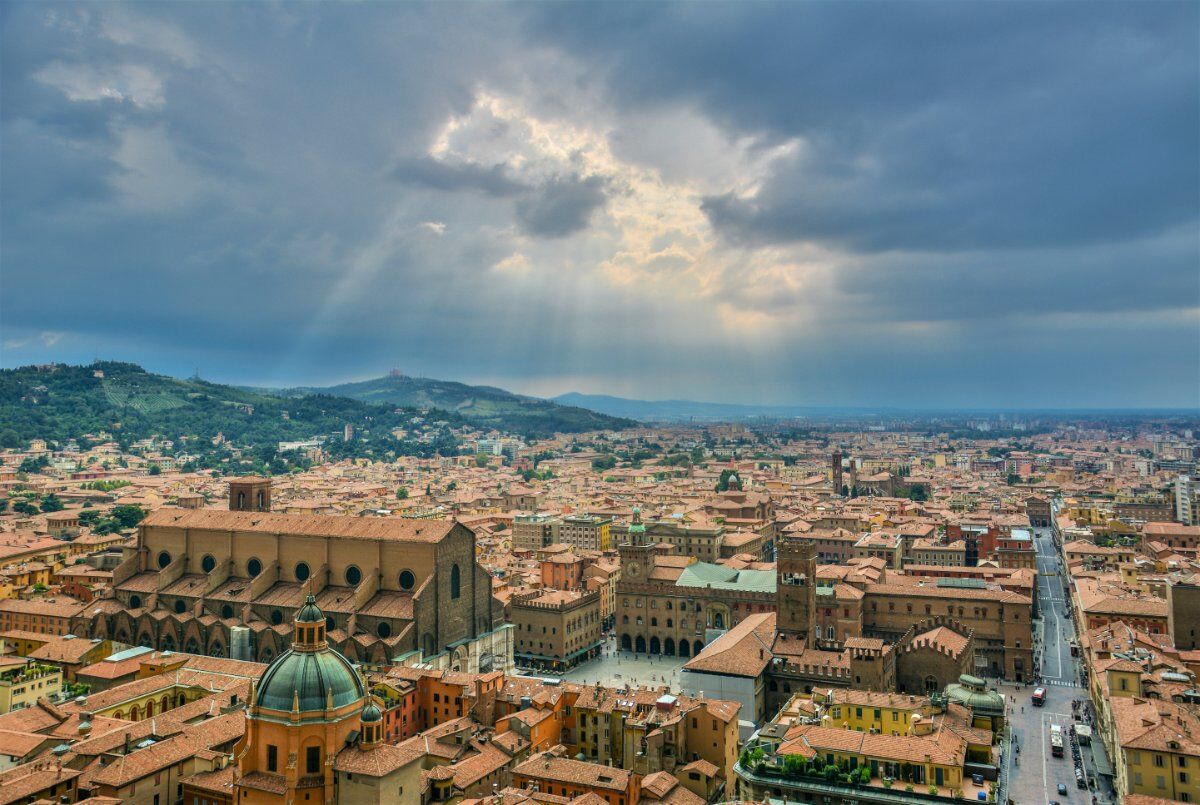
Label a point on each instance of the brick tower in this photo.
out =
(796, 587)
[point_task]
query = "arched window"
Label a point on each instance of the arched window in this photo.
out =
(302, 571)
(353, 575)
(253, 567)
(208, 563)
(226, 611)
(180, 607)
(407, 580)
(455, 582)
(276, 617)
(135, 601)
(164, 559)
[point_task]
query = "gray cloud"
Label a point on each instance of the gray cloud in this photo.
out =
(933, 126)
(561, 206)
(552, 208)
(492, 180)
(979, 185)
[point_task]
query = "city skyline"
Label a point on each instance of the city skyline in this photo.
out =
(919, 205)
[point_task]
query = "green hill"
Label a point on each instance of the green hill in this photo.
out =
(482, 405)
(60, 402)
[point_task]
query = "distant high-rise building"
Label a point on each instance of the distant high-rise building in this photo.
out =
(348, 432)
(1185, 500)
(836, 460)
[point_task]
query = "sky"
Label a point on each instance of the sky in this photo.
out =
(913, 204)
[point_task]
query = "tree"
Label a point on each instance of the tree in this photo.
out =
(127, 516)
(402, 493)
(155, 469)
(10, 439)
(450, 487)
(1013, 479)
(24, 507)
(606, 462)
(51, 503)
(32, 464)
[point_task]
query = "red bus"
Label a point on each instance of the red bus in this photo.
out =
(1039, 697)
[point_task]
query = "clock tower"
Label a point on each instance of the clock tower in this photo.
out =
(636, 556)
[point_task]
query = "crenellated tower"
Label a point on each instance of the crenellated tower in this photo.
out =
(796, 587)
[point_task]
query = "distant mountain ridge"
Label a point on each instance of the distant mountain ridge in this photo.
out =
(481, 405)
(679, 410)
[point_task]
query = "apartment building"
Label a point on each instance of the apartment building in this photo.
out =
(582, 531)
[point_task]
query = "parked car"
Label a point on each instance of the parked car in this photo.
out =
(1062, 789)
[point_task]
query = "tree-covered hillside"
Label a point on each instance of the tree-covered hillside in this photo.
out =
(60, 402)
(484, 406)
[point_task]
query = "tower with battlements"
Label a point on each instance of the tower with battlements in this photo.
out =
(796, 587)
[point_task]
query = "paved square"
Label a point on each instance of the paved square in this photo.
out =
(617, 668)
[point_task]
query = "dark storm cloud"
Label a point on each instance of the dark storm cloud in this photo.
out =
(561, 206)
(552, 208)
(927, 127)
(492, 180)
(249, 187)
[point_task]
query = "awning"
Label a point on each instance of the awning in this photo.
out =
(1100, 759)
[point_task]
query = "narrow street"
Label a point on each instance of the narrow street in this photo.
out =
(1033, 773)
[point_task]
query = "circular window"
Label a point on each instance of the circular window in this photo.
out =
(135, 601)
(253, 567)
(302, 571)
(180, 607)
(407, 580)
(226, 611)
(384, 629)
(276, 617)
(207, 564)
(164, 559)
(353, 576)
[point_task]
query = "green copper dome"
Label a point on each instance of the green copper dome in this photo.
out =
(371, 714)
(972, 693)
(313, 676)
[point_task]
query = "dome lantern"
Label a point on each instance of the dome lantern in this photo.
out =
(372, 725)
(309, 633)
